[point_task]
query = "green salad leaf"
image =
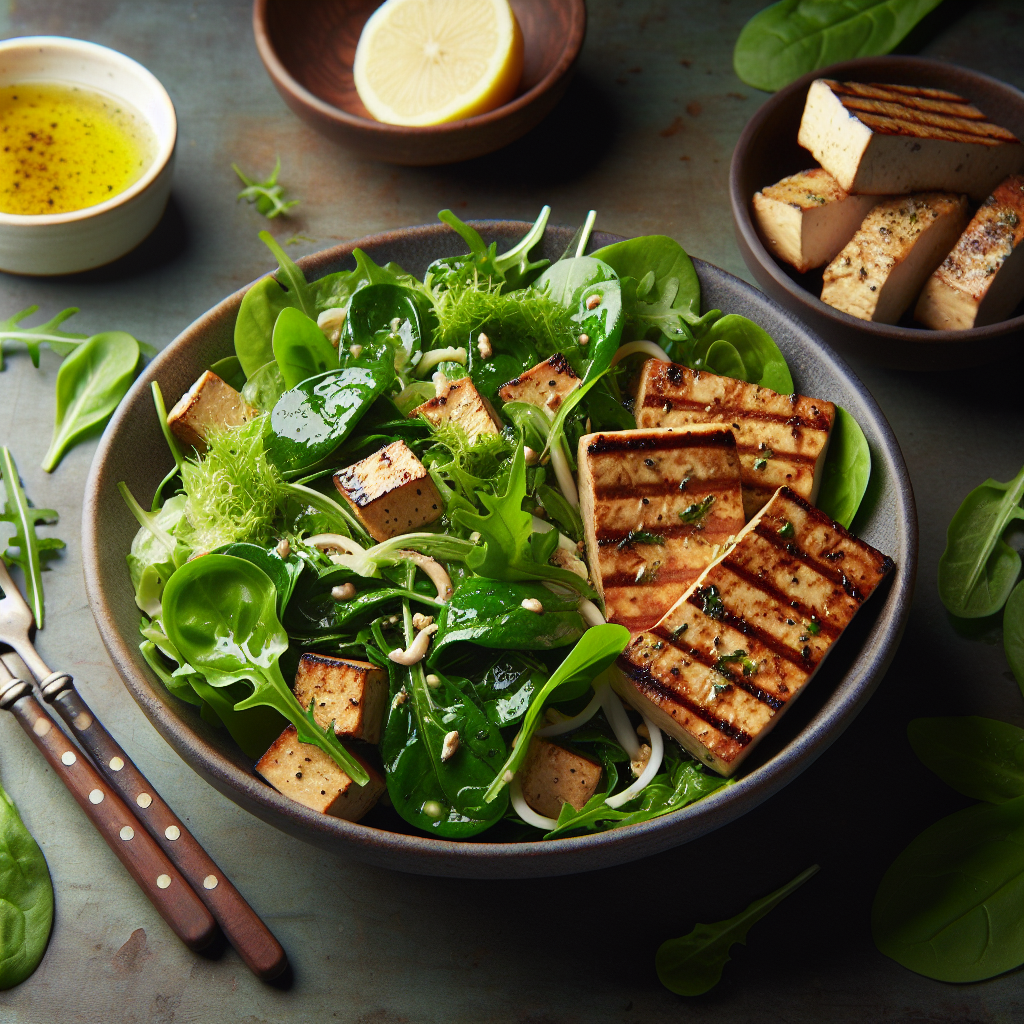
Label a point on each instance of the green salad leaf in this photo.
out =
(846, 471)
(734, 346)
(300, 348)
(268, 195)
(26, 898)
(693, 964)
(1013, 633)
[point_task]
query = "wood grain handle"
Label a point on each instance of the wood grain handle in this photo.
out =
(253, 940)
(153, 872)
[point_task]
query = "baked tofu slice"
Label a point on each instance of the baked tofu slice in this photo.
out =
(720, 669)
(781, 439)
(463, 405)
(882, 268)
(351, 694)
(657, 506)
(982, 280)
(209, 403)
(807, 218)
(390, 492)
(544, 385)
(309, 776)
(552, 776)
(894, 139)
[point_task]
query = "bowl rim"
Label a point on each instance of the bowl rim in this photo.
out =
(165, 146)
(476, 858)
(284, 80)
(748, 232)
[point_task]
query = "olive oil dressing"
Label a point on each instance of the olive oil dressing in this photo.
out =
(65, 148)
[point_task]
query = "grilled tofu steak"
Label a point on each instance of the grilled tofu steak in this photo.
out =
(718, 671)
(781, 439)
(982, 280)
(658, 506)
(461, 404)
(902, 240)
(544, 385)
(807, 218)
(893, 139)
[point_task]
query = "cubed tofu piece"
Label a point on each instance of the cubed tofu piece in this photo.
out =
(544, 385)
(882, 268)
(462, 405)
(552, 776)
(390, 491)
(781, 439)
(209, 403)
(657, 506)
(807, 218)
(309, 776)
(351, 694)
(723, 665)
(982, 280)
(895, 139)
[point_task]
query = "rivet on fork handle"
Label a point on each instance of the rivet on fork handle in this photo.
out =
(252, 939)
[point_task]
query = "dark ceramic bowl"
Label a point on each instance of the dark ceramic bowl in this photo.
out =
(308, 49)
(132, 449)
(768, 150)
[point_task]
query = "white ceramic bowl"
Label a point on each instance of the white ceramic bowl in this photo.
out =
(65, 243)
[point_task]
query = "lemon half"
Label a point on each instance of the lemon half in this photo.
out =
(422, 62)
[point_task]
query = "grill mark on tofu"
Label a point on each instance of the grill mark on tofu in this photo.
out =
(639, 441)
(759, 621)
(660, 489)
(724, 411)
(643, 678)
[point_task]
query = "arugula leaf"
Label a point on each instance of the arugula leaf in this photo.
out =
(62, 342)
(693, 964)
(790, 38)
(506, 550)
(267, 195)
(31, 550)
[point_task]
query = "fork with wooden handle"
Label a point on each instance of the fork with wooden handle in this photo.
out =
(252, 939)
(155, 875)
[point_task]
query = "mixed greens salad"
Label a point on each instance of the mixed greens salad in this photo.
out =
(334, 367)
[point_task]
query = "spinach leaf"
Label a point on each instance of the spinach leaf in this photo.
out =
(790, 38)
(229, 369)
(284, 572)
(734, 346)
(267, 195)
(596, 650)
(979, 757)
(664, 287)
(220, 614)
(978, 569)
(90, 384)
(300, 348)
(491, 614)
(565, 280)
(949, 907)
(313, 418)
(1013, 633)
(506, 688)
(847, 469)
(506, 550)
(693, 964)
(31, 549)
(264, 388)
(26, 898)
(384, 321)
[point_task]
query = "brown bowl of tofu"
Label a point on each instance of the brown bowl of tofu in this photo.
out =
(880, 555)
(881, 201)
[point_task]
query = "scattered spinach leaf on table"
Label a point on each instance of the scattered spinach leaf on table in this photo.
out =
(979, 757)
(1013, 633)
(220, 613)
(267, 195)
(90, 384)
(846, 471)
(949, 907)
(31, 549)
(693, 964)
(26, 898)
(978, 569)
(792, 37)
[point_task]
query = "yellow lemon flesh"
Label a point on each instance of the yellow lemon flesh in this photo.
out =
(422, 62)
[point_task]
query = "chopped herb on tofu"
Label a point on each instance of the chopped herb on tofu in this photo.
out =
(390, 491)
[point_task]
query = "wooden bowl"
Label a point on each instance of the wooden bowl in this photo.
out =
(768, 150)
(308, 49)
(133, 449)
